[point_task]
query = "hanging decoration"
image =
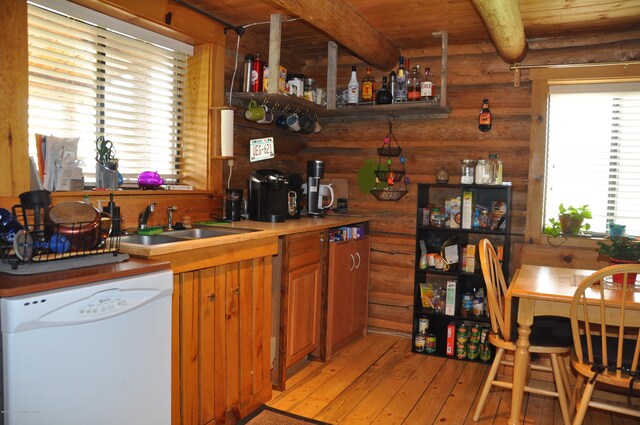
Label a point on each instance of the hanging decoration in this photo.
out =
(391, 179)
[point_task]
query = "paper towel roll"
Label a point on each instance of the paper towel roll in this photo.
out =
(226, 132)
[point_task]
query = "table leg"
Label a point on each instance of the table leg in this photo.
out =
(521, 358)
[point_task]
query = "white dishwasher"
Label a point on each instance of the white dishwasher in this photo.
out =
(96, 354)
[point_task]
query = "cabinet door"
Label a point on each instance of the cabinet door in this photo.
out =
(348, 292)
(303, 299)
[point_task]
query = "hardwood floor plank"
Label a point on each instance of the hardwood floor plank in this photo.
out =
(384, 390)
(436, 394)
(335, 399)
(404, 400)
(458, 406)
(377, 380)
(363, 350)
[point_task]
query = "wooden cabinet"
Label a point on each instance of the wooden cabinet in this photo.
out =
(221, 330)
(301, 290)
(221, 336)
(348, 292)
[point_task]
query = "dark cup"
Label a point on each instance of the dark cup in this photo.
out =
(281, 121)
(307, 124)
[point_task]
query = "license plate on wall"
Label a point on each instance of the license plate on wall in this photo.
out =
(261, 149)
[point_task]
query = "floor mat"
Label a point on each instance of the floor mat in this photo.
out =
(265, 415)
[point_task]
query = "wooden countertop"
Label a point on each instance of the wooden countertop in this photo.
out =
(263, 230)
(11, 285)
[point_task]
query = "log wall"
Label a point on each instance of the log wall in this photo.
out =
(474, 73)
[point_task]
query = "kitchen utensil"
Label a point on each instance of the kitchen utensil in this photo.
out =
(254, 111)
(34, 206)
(78, 221)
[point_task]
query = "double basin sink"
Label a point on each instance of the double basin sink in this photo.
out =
(174, 236)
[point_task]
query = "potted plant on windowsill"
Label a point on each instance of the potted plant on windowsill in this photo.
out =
(570, 221)
(621, 250)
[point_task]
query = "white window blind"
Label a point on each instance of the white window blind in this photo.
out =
(594, 153)
(88, 80)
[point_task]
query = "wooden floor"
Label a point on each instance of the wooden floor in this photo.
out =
(377, 380)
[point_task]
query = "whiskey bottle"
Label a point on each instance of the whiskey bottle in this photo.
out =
(384, 96)
(393, 85)
(426, 86)
(401, 82)
(353, 89)
(413, 85)
(368, 86)
(484, 120)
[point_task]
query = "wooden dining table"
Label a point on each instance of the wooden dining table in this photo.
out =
(540, 291)
(543, 290)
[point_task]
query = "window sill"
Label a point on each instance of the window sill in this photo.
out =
(579, 241)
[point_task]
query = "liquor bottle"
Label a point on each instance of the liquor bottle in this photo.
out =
(368, 86)
(401, 83)
(484, 120)
(384, 96)
(413, 85)
(393, 85)
(257, 74)
(426, 87)
(353, 89)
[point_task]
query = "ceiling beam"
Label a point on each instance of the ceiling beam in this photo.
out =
(347, 28)
(504, 23)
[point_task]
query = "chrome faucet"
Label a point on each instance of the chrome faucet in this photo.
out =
(144, 215)
(170, 211)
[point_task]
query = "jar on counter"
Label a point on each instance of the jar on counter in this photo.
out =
(442, 175)
(483, 172)
(496, 168)
(467, 170)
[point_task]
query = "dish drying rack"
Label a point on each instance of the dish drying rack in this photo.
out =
(391, 179)
(53, 242)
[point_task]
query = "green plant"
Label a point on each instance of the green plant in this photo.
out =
(620, 248)
(570, 221)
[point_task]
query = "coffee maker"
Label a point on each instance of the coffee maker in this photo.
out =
(233, 205)
(268, 196)
(315, 171)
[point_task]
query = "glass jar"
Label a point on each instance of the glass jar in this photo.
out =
(442, 176)
(496, 168)
(484, 221)
(483, 172)
(467, 170)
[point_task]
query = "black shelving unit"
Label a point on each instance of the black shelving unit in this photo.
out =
(466, 281)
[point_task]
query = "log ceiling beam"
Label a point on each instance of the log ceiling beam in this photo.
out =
(347, 28)
(503, 21)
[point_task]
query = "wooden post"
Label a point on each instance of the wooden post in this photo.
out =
(443, 73)
(332, 74)
(275, 38)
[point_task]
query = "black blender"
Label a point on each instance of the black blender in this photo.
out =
(315, 171)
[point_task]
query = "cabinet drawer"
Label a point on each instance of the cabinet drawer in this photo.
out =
(304, 248)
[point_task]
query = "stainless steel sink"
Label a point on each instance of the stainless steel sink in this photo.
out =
(147, 240)
(206, 232)
(183, 235)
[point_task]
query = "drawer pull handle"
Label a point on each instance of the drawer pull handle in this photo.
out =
(359, 260)
(353, 263)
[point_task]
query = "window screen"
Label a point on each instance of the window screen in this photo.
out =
(90, 79)
(594, 153)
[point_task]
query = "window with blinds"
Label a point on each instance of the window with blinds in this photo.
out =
(91, 76)
(593, 153)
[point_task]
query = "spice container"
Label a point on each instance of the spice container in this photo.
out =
(442, 176)
(310, 89)
(467, 170)
(483, 172)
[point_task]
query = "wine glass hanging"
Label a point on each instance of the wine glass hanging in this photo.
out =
(391, 179)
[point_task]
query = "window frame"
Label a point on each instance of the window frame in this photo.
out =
(541, 79)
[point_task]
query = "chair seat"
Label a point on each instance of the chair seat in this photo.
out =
(547, 331)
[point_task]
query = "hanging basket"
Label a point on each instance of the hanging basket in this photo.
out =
(389, 151)
(388, 194)
(383, 175)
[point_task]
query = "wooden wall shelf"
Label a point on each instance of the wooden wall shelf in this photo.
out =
(369, 111)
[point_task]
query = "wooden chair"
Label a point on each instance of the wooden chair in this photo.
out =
(609, 357)
(549, 335)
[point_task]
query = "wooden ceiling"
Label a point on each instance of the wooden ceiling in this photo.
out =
(376, 30)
